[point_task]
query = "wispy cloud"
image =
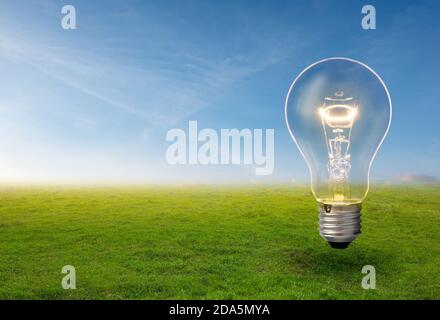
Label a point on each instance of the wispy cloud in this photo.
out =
(162, 90)
(157, 84)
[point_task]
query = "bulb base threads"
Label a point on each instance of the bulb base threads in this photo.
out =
(339, 224)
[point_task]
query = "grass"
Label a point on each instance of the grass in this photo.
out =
(212, 243)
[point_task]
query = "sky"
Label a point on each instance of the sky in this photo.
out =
(94, 104)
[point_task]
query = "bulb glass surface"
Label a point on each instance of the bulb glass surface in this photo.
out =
(338, 112)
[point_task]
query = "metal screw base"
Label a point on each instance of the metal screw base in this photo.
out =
(339, 224)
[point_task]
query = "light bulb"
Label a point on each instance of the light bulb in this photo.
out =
(338, 112)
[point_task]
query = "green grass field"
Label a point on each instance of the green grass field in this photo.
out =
(212, 243)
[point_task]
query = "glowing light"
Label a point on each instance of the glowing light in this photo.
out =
(338, 115)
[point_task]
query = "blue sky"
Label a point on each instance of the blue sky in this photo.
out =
(94, 104)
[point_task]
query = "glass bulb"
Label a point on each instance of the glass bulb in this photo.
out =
(338, 112)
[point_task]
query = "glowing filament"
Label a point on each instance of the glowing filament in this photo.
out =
(337, 121)
(338, 115)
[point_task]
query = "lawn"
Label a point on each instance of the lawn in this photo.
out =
(212, 242)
